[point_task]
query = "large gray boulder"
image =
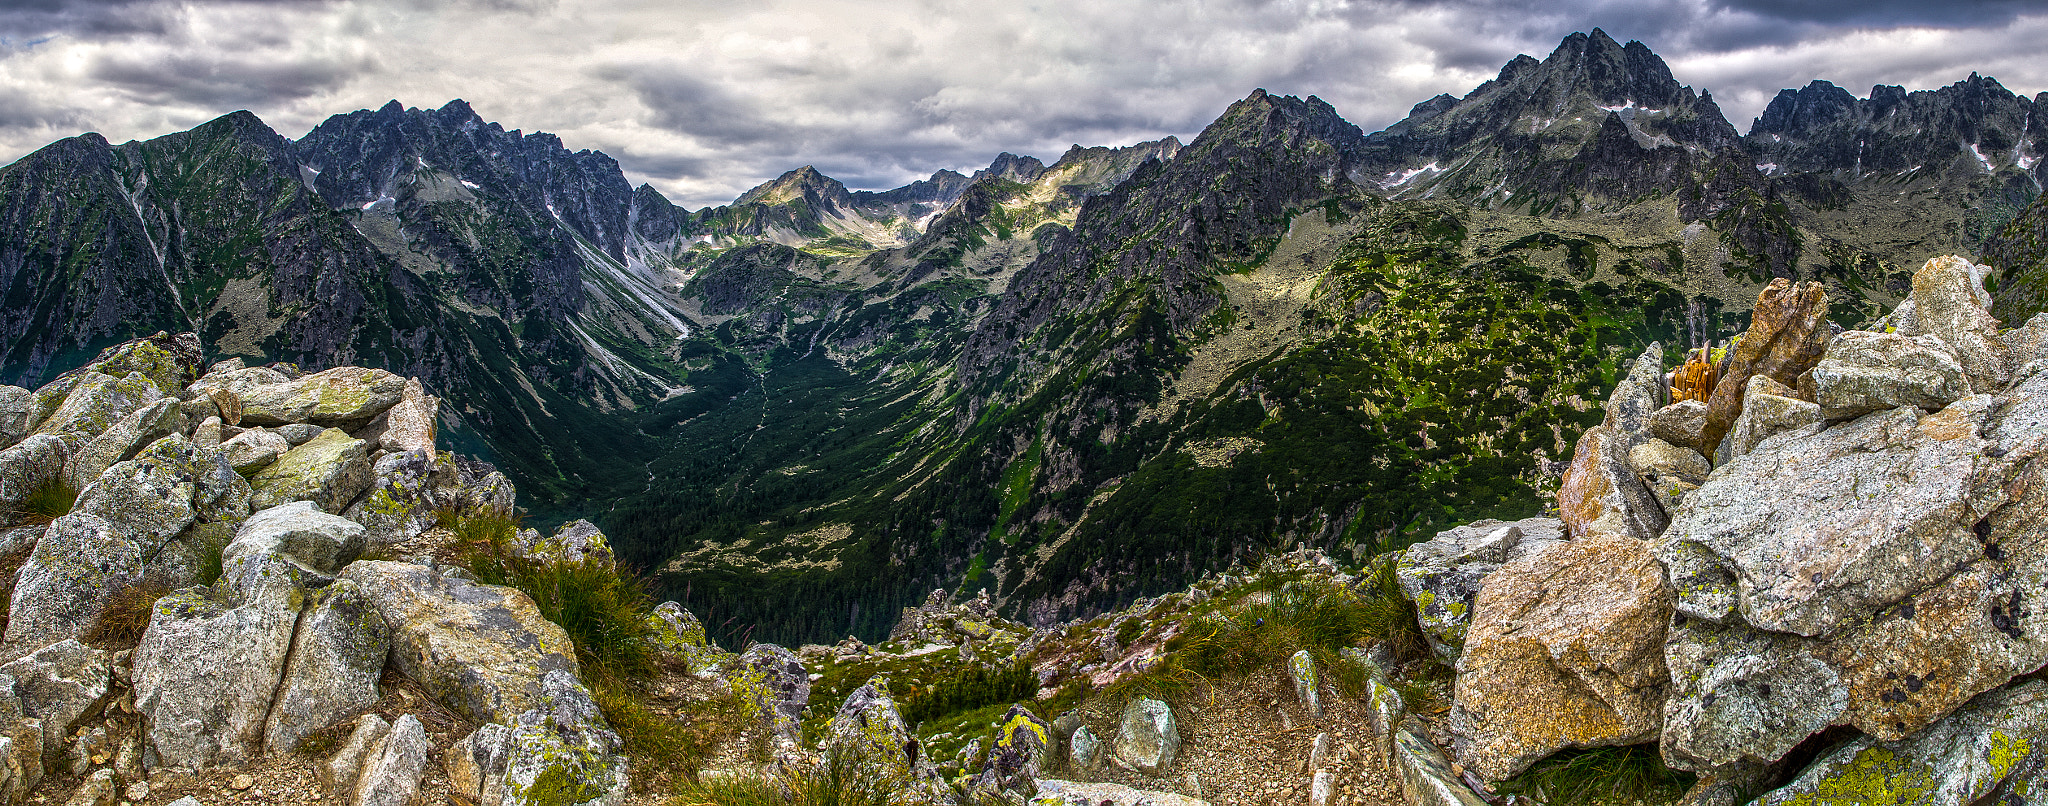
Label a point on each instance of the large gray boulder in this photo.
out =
(255, 449)
(331, 471)
(1864, 372)
(402, 500)
(121, 440)
(60, 685)
(337, 775)
(21, 746)
(563, 742)
(1442, 575)
(1990, 751)
(343, 396)
(1680, 423)
(92, 402)
(81, 563)
(476, 648)
(337, 656)
(391, 775)
(775, 680)
(15, 405)
(869, 734)
(1768, 408)
(29, 465)
(1877, 574)
(1147, 737)
(1950, 303)
(409, 425)
(301, 532)
(1601, 492)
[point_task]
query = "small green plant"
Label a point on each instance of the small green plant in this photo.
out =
(1601, 776)
(834, 783)
(1128, 631)
(665, 749)
(49, 501)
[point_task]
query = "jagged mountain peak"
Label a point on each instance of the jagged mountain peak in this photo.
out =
(804, 182)
(1962, 131)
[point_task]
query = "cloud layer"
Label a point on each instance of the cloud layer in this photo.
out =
(706, 99)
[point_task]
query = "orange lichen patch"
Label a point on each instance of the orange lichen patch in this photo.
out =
(1582, 499)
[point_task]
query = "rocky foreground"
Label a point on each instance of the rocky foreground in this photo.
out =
(243, 585)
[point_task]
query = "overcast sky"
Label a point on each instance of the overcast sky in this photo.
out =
(706, 99)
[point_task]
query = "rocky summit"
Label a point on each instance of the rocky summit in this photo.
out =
(1557, 444)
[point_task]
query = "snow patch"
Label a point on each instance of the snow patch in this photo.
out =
(1981, 159)
(385, 200)
(1631, 105)
(2025, 162)
(471, 185)
(1767, 167)
(1399, 178)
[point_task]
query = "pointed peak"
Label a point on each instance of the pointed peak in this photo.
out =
(456, 108)
(790, 186)
(392, 107)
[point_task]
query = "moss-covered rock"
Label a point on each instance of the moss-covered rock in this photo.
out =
(330, 471)
(1993, 750)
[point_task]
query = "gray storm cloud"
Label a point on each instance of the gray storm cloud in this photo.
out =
(707, 99)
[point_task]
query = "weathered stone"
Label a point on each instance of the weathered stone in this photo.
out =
(331, 471)
(576, 542)
(1950, 303)
(342, 396)
(1442, 575)
(1601, 494)
(563, 746)
(1680, 423)
(1018, 757)
(168, 361)
(1988, 752)
(1657, 457)
(96, 401)
(337, 655)
(391, 776)
(1385, 710)
(15, 405)
(301, 533)
(1054, 792)
(2024, 344)
(675, 628)
(1565, 650)
(868, 734)
(296, 434)
(1864, 372)
(60, 686)
(1147, 737)
(226, 405)
(409, 425)
(1083, 748)
(401, 503)
(166, 488)
(1637, 396)
(209, 433)
(207, 670)
(21, 746)
(122, 439)
(1769, 409)
(476, 648)
(1301, 670)
(337, 775)
(775, 681)
(255, 449)
(28, 466)
(1426, 776)
(1787, 335)
(81, 563)
(96, 790)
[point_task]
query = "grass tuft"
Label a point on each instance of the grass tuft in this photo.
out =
(47, 502)
(121, 624)
(831, 784)
(1601, 776)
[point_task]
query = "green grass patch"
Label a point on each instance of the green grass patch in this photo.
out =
(1601, 776)
(49, 501)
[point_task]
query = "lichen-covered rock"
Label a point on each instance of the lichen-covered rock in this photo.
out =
(15, 405)
(1788, 333)
(81, 563)
(255, 449)
(408, 425)
(1442, 575)
(476, 648)
(301, 533)
(1301, 670)
(96, 790)
(2024, 344)
(774, 680)
(207, 670)
(1601, 494)
(338, 774)
(676, 629)
(60, 686)
(1657, 457)
(1864, 372)
(401, 503)
(1638, 395)
(1768, 409)
(1147, 737)
(1992, 751)
(176, 500)
(1680, 423)
(330, 471)
(560, 752)
(1018, 757)
(575, 542)
(1565, 650)
(95, 401)
(1426, 776)
(868, 733)
(1083, 748)
(21, 746)
(168, 361)
(296, 434)
(122, 439)
(337, 655)
(391, 775)
(1950, 303)
(342, 396)
(28, 465)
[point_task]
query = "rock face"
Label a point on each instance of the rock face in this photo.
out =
(1147, 737)
(1768, 408)
(337, 655)
(339, 396)
(1442, 575)
(391, 775)
(84, 563)
(869, 734)
(1601, 493)
(1865, 372)
(1565, 650)
(1787, 335)
(1987, 752)
(1680, 423)
(476, 648)
(1023, 742)
(58, 686)
(1950, 304)
(331, 470)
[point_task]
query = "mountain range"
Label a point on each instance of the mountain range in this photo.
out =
(1069, 384)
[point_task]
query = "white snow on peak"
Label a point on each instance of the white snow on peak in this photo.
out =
(471, 185)
(1767, 167)
(380, 200)
(2025, 162)
(1399, 178)
(1981, 159)
(1640, 110)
